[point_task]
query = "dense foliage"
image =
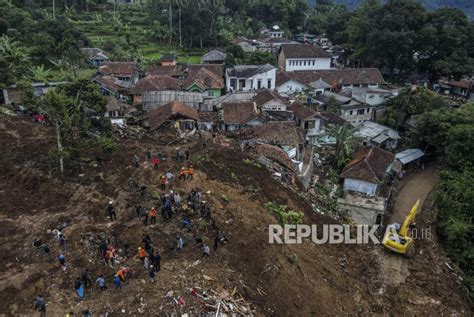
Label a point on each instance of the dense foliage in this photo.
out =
(448, 133)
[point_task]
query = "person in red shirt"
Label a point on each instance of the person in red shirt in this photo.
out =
(152, 215)
(156, 161)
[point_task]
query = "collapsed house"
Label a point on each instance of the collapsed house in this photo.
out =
(375, 134)
(366, 188)
(281, 147)
(174, 113)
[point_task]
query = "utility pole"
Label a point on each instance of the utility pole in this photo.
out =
(54, 10)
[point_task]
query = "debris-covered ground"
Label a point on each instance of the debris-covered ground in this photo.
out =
(245, 276)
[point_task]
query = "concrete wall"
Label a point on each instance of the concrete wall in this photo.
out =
(292, 64)
(290, 87)
(360, 186)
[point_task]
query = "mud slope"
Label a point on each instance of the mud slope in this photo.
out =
(292, 280)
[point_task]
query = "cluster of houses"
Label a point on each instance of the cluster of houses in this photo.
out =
(261, 106)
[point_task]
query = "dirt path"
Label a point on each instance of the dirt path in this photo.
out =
(414, 186)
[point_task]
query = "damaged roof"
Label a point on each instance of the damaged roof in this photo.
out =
(204, 79)
(111, 84)
(281, 133)
(264, 96)
(369, 164)
(214, 55)
(275, 153)
(119, 69)
(300, 111)
(156, 83)
(238, 112)
(303, 51)
(173, 110)
(346, 76)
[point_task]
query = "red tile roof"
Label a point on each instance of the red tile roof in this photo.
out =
(368, 164)
(204, 79)
(266, 95)
(238, 112)
(275, 153)
(155, 83)
(463, 83)
(118, 69)
(170, 111)
(300, 111)
(346, 76)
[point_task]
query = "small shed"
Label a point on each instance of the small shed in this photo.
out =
(406, 158)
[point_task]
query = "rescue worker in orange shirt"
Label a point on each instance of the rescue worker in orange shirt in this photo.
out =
(141, 254)
(191, 171)
(182, 173)
(122, 273)
(152, 215)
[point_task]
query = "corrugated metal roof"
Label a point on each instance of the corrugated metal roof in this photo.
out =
(409, 155)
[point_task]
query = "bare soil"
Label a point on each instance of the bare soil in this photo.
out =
(289, 280)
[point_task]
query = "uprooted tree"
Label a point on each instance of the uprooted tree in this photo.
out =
(76, 112)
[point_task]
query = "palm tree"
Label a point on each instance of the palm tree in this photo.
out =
(41, 74)
(345, 138)
(14, 60)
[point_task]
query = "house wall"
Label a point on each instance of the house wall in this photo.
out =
(290, 87)
(274, 105)
(252, 82)
(247, 47)
(292, 64)
(355, 116)
(360, 186)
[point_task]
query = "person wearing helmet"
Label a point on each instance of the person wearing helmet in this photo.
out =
(111, 211)
(141, 254)
(182, 173)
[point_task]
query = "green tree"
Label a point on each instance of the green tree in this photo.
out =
(14, 61)
(261, 58)
(345, 139)
(411, 102)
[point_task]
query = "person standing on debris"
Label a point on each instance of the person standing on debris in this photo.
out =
(117, 282)
(122, 273)
(148, 154)
(40, 305)
(101, 282)
(152, 215)
(141, 255)
(136, 161)
(62, 262)
(182, 173)
(163, 182)
(187, 154)
(205, 250)
(62, 241)
(111, 211)
(156, 161)
(152, 273)
(157, 262)
(190, 171)
(85, 279)
(180, 243)
(170, 178)
(177, 200)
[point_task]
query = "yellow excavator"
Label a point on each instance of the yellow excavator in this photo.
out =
(396, 238)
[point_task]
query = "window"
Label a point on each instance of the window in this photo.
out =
(210, 93)
(368, 110)
(350, 113)
(259, 84)
(269, 83)
(314, 62)
(360, 111)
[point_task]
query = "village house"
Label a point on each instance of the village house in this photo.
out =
(287, 85)
(13, 93)
(461, 88)
(206, 79)
(307, 119)
(168, 60)
(95, 56)
(153, 83)
(365, 189)
(214, 57)
(175, 113)
(356, 112)
(407, 159)
(208, 121)
(125, 72)
(298, 57)
(374, 134)
(250, 77)
(248, 46)
(237, 115)
(270, 100)
(111, 86)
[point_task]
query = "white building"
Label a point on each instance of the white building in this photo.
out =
(294, 57)
(250, 77)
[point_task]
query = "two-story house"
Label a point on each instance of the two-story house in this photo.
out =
(294, 57)
(250, 77)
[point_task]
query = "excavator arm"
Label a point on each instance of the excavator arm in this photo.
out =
(410, 218)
